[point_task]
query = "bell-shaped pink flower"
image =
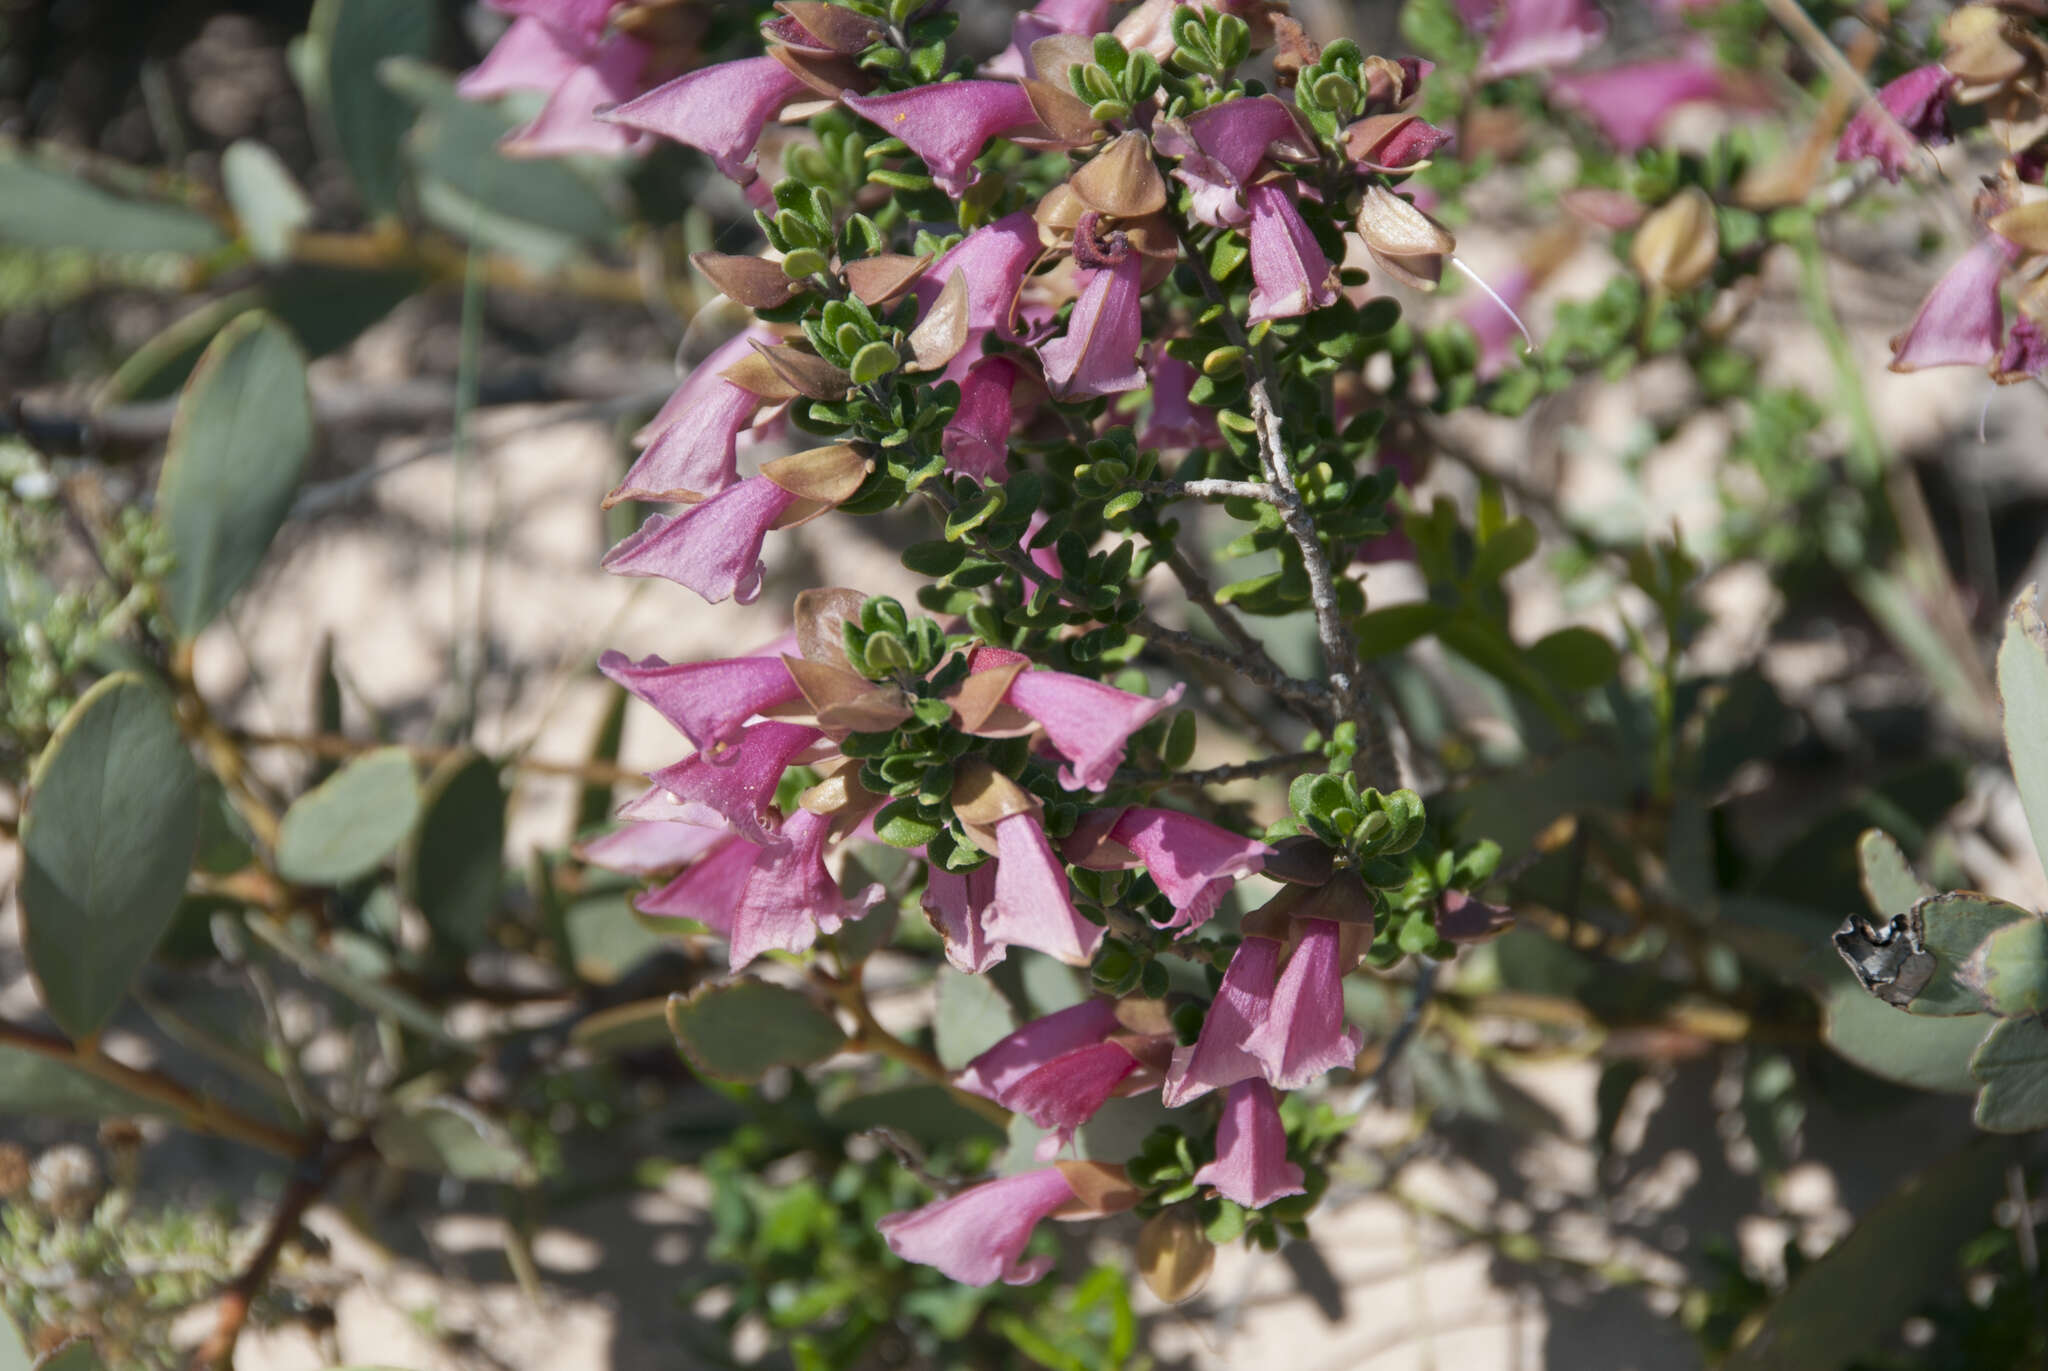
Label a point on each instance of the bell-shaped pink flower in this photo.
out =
(709, 889)
(719, 110)
(947, 124)
(994, 259)
(977, 1237)
(1918, 104)
(1304, 1034)
(1222, 147)
(1961, 322)
(1533, 35)
(713, 548)
(1043, 20)
(1251, 1166)
(1033, 906)
(976, 440)
(1174, 421)
(738, 787)
(1630, 103)
(1057, 1070)
(693, 442)
(650, 849)
(958, 906)
(1193, 862)
(706, 701)
(1098, 354)
(1087, 722)
(568, 123)
(790, 897)
(1290, 274)
(584, 19)
(530, 55)
(1218, 1057)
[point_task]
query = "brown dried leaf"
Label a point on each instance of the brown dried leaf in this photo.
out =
(881, 280)
(751, 281)
(805, 372)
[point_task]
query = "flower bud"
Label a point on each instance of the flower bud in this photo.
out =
(1174, 1255)
(65, 1182)
(1409, 244)
(1678, 243)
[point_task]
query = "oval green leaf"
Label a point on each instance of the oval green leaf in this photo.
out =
(452, 1138)
(739, 1030)
(1955, 928)
(350, 40)
(454, 868)
(343, 827)
(44, 206)
(2013, 1065)
(971, 1017)
(1889, 881)
(266, 199)
(238, 447)
(111, 825)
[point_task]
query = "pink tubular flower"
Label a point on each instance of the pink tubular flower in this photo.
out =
(1032, 905)
(790, 897)
(1220, 150)
(1630, 103)
(1251, 1166)
(958, 906)
(976, 440)
(1043, 20)
(1174, 421)
(1532, 35)
(1243, 1002)
(1193, 862)
(1961, 321)
(947, 124)
(1918, 103)
(1087, 722)
(1098, 354)
(1057, 1071)
(977, 1237)
(2025, 354)
(713, 548)
(994, 259)
(1290, 274)
(709, 889)
(737, 788)
(1303, 1035)
(561, 54)
(719, 110)
(693, 443)
(650, 849)
(706, 701)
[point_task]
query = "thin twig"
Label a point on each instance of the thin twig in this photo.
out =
(851, 996)
(1193, 581)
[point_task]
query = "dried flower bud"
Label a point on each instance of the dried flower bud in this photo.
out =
(1409, 244)
(1678, 243)
(1174, 1256)
(65, 1182)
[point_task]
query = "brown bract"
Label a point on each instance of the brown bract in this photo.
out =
(983, 796)
(1100, 1189)
(1063, 117)
(1409, 244)
(1174, 1255)
(830, 75)
(877, 281)
(821, 479)
(2025, 225)
(942, 332)
(1300, 860)
(1367, 139)
(751, 281)
(808, 374)
(978, 702)
(827, 28)
(1121, 181)
(844, 701)
(820, 617)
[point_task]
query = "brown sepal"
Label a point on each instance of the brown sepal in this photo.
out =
(807, 373)
(942, 332)
(1122, 180)
(877, 281)
(751, 281)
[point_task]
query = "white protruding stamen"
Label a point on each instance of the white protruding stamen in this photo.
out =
(1494, 295)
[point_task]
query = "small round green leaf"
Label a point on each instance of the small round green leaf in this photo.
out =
(739, 1030)
(346, 825)
(454, 866)
(267, 201)
(238, 447)
(108, 837)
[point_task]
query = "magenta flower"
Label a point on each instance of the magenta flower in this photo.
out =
(1961, 321)
(693, 442)
(976, 440)
(1303, 1035)
(713, 548)
(1251, 1166)
(1533, 35)
(585, 19)
(1057, 1070)
(790, 897)
(709, 889)
(579, 74)
(1085, 721)
(719, 110)
(1918, 103)
(706, 701)
(1193, 862)
(1290, 274)
(994, 259)
(1098, 354)
(1033, 906)
(1630, 103)
(1243, 1002)
(1393, 142)
(1174, 421)
(650, 849)
(1043, 20)
(958, 907)
(1220, 150)
(737, 788)
(947, 124)
(977, 1237)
